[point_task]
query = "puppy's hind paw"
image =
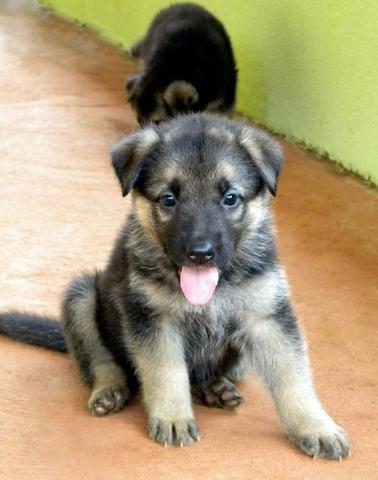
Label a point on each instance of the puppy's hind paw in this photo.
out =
(222, 394)
(328, 443)
(108, 400)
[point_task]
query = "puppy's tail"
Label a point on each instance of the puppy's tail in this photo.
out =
(33, 329)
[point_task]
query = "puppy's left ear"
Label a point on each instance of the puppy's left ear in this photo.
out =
(265, 152)
(130, 156)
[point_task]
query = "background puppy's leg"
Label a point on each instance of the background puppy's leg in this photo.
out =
(97, 366)
(131, 85)
(136, 49)
(164, 379)
(280, 360)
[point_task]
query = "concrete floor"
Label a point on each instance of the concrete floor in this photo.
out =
(62, 107)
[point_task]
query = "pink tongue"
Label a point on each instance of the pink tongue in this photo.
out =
(198, 284)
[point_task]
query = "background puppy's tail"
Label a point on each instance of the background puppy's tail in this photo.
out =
(33, 329)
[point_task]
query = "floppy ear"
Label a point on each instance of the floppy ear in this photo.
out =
(128, 156)
(265, 152)
(180, 95)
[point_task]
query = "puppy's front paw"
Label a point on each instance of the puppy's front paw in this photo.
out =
(330, 442)
(108, 400)
(176, 431)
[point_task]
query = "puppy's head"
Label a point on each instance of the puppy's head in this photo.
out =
(200, 185)
(155, 104)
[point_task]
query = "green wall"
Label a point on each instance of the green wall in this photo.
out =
(308, 69)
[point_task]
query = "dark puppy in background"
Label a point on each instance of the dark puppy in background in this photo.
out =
(193, 296)
(187, 66)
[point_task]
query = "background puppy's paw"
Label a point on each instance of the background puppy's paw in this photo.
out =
(108, 400)
(221, 393)
(332, 443)
(178, 432)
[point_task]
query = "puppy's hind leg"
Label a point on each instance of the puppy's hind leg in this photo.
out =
(95, 362)
(221, 393)
(279, 359)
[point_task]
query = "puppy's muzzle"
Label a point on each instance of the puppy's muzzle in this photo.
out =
(200, 252)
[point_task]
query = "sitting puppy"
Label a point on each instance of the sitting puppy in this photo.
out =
(193, 296)
(187, 66)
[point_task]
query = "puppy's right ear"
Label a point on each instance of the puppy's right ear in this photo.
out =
(129, 156)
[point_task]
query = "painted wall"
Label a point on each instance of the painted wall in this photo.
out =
(307, 69)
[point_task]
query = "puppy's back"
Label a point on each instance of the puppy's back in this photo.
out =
(185, 41)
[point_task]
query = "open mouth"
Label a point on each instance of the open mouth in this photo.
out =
(198, 284)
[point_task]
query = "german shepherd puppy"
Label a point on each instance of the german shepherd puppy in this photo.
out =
(187, 66)
(193, 296)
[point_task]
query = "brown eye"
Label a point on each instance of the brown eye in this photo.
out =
(168, 200)
(230, 199)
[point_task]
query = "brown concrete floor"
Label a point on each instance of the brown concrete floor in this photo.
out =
(62, 106)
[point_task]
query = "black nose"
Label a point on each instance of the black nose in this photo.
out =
(201, 252)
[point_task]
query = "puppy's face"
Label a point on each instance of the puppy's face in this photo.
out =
(199, 186)
(155, 105)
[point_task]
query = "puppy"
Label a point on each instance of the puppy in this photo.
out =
(193, 296)
(187, 66)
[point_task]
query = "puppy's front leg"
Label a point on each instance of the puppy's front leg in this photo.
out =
(280, 360)
(165, 387)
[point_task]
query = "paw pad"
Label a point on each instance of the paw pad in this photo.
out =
(108, 400)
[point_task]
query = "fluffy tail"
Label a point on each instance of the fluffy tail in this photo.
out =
(33, 329)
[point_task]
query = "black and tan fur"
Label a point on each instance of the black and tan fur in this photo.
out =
(187, 65)
(130, 324)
